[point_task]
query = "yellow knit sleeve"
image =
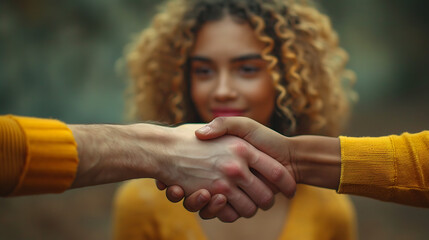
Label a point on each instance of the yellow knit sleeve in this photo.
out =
(12, 154)
(393, 168)
(50, 156)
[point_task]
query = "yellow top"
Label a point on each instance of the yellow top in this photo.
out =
(36, 156)
(142, 212)
(392, 168)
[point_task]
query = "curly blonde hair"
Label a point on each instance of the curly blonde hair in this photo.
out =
(306, 63)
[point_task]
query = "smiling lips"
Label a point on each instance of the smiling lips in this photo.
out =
(227, 112)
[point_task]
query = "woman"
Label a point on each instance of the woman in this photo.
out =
(276, 62)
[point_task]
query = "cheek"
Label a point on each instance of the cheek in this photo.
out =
(261, 92)
(197, 93)
(262, 97)
(200, 96)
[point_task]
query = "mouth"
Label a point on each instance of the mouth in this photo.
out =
(227, 112)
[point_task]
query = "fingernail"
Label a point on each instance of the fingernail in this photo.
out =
(202, 198)
(204, 130)
(219, 199)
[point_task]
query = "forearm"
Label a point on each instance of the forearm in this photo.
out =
(113, 153)
(317, 160)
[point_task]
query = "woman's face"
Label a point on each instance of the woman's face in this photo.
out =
(228, 75)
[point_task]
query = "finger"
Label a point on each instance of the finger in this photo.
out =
(274, 172)
(265, 140)
(272, 187)
(241, 203)
(260, 193)
(218, 207)
(174, 193)
(253, 187)
(261, 137)
(216, 204)
(238, 199)
(160, 185)
(228, 215)
(197, 200)
(238, 126)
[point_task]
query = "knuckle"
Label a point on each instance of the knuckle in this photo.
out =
(250, 211)
(253, 161)
(277, 174)
(228, 214)
(240, 148)
(266, 201)
(220, 121)
(233, 170)
(222, 187)
(248, 181)
(249, 124)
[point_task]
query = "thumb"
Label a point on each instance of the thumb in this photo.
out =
(261, 137)
(237, 126)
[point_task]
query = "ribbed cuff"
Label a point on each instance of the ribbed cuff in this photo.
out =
(367, 166)
(52, 158)
(12, 154)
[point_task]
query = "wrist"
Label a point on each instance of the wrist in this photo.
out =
(317, 160)
(113, 153)
(151, 146)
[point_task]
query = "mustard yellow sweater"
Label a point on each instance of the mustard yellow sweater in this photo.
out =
(392, 168)
(142, 212)
(36, 156)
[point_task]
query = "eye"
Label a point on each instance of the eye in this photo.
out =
(202, 71)
(248, 70)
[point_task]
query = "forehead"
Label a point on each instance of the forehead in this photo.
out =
(226, 37)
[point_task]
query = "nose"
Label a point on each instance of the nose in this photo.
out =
(225, 90)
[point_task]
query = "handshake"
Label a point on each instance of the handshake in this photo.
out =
(237, 165)
(227, 169)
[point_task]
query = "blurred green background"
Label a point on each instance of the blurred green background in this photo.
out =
(60, 59)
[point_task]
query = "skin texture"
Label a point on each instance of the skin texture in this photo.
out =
(312, 160)
(228, 75)
(113, 153)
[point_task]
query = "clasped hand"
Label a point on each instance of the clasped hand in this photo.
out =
(226, 176)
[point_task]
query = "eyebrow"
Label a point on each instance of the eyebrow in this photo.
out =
(237, 59)
(246, 57)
